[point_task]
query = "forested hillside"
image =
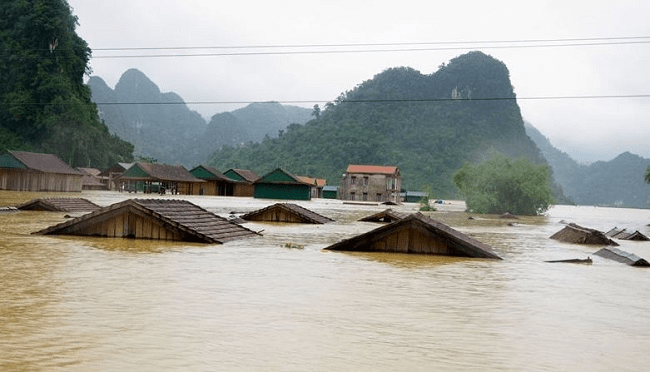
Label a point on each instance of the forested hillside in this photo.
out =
(44, 104)
(162, 127)
(428, 125)
(618, 182)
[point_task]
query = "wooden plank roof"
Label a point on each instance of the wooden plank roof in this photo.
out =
(47, 163)
(402, 232)
(573, 233)
(245, 174)
(623, 234)
(59, 205)
(282, 176)
(211, 173)
(388, 215)
(183, 219)
(622, 256)
(274, 212)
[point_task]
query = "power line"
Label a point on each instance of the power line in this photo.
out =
(531, 98)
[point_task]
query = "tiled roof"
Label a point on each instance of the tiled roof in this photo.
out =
(186, 220)
(378, 169)
(59, 205)
(46, 163)
(388, 215)
(164, 172)
(271, 214)
(248, 175)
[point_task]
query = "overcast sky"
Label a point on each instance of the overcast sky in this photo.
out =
(587, 129)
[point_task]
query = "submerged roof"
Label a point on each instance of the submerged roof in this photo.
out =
(577, 234)
(172, 219)
(282, 176)
(622, 256)
(379, 169)
(623, 234)
(286, 212)
(388, 215)
(417, 234)
(244, 174)
(47, 163)
(59, 205)
(205, 172)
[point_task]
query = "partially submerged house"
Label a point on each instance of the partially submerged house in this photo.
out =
(387, 215)
(330, 192)
(417, 234)
(29, 171)
(158, 219)
(622, 257)
(623, 234)
(216, 182)
(163, 178)
(286, 212)
(371, 183)
(59, 205)
(112, 175)
(317, 185)
(280, 184)
(92, 180)
(577, 234)
(245, 179)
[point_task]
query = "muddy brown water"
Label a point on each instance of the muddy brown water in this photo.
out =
(75, 303)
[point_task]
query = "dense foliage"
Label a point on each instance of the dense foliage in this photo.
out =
(647, 175)
(44, 104)
(428, 125)
(501, 185)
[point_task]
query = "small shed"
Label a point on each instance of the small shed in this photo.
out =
(92, 180)
(157, 219)
(216, 182)
(112, 175)
(573, 233)
(286, 212)
(245, 179)
(417, 234)
(388, 215)
(415, 196)
(29, 171)
(161, 178)
(59, 205)
(622, 257)
(623, 234)
(330, 192)
(280, 184)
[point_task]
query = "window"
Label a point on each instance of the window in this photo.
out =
(352, 196)
(365, 181)
(378, 196)
(353, 180)
(365, 196)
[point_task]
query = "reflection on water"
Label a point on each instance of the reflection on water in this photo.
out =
(71, 303)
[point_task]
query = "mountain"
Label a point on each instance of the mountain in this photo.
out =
(618, 182)
(428, 125)
(162, 127)
(44, 104)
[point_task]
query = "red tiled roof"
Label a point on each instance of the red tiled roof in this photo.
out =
(380, 169)
(309, 180)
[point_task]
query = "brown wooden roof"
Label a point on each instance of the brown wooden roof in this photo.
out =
(46, 163)
(278, 211)
(438, 238)
(163, 172)
(59, 205)
(577, 234)
(184, 220)
(246, 174)
(388, 215)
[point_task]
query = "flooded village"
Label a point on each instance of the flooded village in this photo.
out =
(216, 271)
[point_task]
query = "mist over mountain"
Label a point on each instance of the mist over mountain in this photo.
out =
(162, 127)
(617, 182)
(428, 125)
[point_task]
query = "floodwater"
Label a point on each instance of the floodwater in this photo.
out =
(92, 304)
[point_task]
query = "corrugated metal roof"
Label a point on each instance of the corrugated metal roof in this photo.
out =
(164, 172)
(378, 169)
(46, 163)
(189, 221)
(246, 174)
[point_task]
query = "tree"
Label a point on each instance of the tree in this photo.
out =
(316, 112)
(500, 185)
(647, 175)
(44, 104)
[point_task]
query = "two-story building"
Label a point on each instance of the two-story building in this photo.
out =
(371, 183)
